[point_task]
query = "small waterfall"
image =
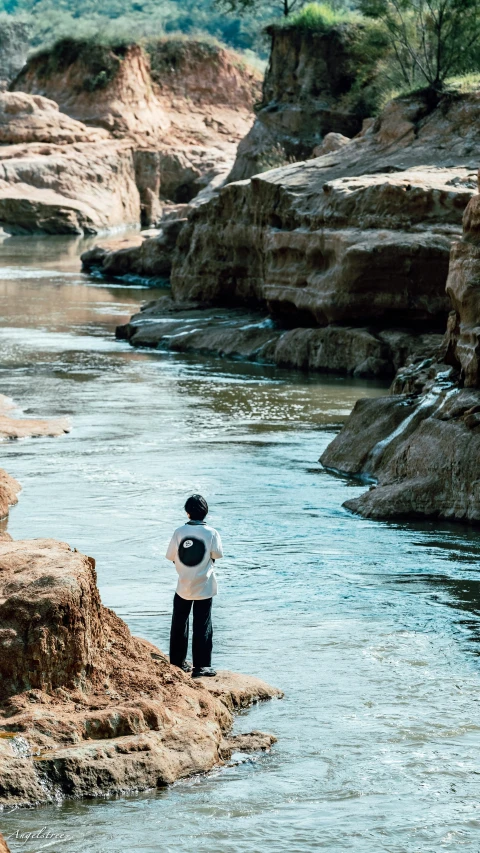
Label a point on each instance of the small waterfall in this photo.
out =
(436, 393)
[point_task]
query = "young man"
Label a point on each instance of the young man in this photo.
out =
(194, 547)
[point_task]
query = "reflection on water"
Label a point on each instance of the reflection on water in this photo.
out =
(368, 627)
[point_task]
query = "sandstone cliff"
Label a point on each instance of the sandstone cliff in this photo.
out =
(347, 252)
(421, 444)
(183, 105)
(317, 82)
(85, 708)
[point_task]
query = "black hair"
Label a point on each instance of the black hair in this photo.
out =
(197, 507)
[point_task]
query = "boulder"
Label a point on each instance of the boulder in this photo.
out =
(31, 118)
(85, 708)
(82, 188)
(145, 256)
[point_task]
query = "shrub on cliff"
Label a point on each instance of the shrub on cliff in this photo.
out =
(430, 39)
(101, 61)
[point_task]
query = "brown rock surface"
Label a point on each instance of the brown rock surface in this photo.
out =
(315, 85)
(4, 848)
(374, 248)
(145, 256)
(11, 427)
(85, 708)
(71, 189)
(186, 102)
(9, 489)
(31, 118)
(422, 444)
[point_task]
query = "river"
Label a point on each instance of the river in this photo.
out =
(371, 629)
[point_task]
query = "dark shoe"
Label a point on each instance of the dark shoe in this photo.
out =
(186, 666)
(203, 672)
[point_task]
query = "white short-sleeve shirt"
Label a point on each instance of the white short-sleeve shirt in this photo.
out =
(193, 548)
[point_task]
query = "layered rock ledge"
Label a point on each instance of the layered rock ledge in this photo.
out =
(343, 258)
(421, 444)
(236, 333)
(86, 709)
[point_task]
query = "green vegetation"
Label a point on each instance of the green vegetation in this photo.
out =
(102, 60)
(430, 40)
(114, 21)
(396, 46)
(319, 17)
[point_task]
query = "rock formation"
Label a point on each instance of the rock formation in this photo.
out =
(420, 446)
(237, 333)
(317, 82)
(182, 108)
(57, 175)
(85, 708)
(347, 252)
(9, 489)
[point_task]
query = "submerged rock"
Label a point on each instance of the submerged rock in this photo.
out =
(236, 333)
(85, 708)
(421, 444)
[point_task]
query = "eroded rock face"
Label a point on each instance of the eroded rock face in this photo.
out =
(422, 444)
(31, 118)
(85, 708)
(312, 88)
(373, 247)
(9, 489)
(143, 256)
(463, 288)
(183, 105)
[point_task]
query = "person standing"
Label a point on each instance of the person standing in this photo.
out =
(193, 549)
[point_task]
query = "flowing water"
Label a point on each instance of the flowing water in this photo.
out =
(372, 629)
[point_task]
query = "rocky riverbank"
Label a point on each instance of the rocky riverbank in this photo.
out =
(86, 709)
(177, 326)
(344, 257)
(421, 444)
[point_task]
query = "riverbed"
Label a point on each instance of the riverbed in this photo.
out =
(371, 629)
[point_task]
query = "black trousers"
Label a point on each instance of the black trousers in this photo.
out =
(202, 631)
